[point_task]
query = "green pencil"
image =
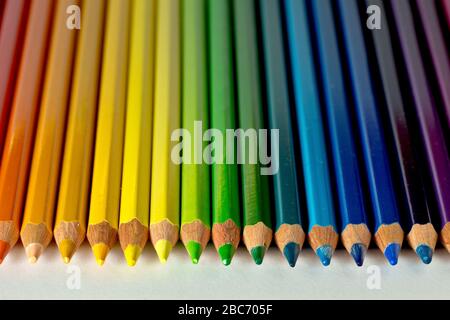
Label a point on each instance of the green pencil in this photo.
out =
(195, 199)
(257, 225)
(225, 184)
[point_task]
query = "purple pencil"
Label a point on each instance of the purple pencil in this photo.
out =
(438, 51)
(446, 5)
(432, 135)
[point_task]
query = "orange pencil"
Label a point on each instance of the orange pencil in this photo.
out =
(37, 222)
(20, 134)
(12, 29)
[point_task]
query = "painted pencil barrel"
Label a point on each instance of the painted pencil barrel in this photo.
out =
(289, 234)
(225, 180)
(355, 233)
(322, 222)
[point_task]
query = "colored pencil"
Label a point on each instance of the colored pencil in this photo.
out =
(107, 171)
(12, 30)
(438, 50)
(322, 233)
(40, 202)
(425, 107)
(226, 229)
(135, 200)
(421, 234)
(165, 185)
(355, 232)
(2, 6)
(71, 212)
(21, 129)
(195, 175)
(388, 232)
(255, 188)
(446, 6)
(289, 234)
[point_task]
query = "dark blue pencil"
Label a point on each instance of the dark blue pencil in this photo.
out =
(355, 234)
(322, 232)
(421, 234)
(388, 232)
(289, 234)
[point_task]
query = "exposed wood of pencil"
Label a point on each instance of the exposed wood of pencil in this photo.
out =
(35, 238)
(388, 234)
(195, 231)
(69, 236)
(20, 135)
(133, 233)
(321, 236)
(445, 236)
(226, 233)
(102, 233)
(289, 233)
(422, 234)
(355, 234)
(164, 230)
(257, 235)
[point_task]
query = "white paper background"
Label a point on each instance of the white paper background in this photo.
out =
(179, 279)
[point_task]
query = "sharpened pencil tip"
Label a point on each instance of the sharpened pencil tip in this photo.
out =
(324, 253)
(34, 251)
(100, 251)
(163, 248)
(195, 250)
(4, 249)
(425, 253)
(226, 253)
(67, 249)
(291, 252)
(391, 253)
(132, 253)
(358, 252)
(258, 254)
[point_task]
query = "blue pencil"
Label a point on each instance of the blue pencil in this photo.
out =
(388, 232)
(322, 232)
(289, 234)
(355, 234)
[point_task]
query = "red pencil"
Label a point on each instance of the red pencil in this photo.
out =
(13, 16)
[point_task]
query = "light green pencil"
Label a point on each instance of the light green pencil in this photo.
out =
(195, 198)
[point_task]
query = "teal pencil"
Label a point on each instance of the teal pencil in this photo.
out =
(289, 234)
(322, 233)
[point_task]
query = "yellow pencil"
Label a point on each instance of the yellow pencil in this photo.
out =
(36, 232)
(135, 201)
(165, 193)
(70, 224)
(105, 195)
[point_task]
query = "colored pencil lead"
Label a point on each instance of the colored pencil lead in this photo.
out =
(392, 252)
(291, 252)
(226, 253)
(163, 249)
(358, 252)
(258, 254)
(324, 253)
